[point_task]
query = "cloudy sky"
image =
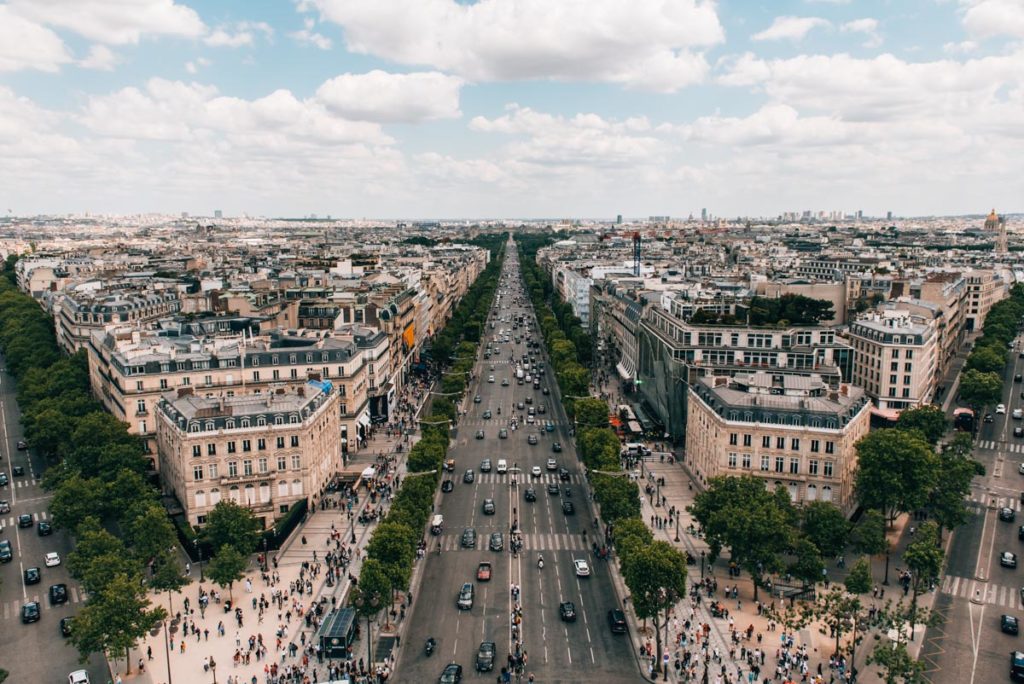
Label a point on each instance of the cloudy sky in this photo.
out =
(511, 108)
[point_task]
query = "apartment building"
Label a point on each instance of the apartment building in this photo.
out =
(264, 452)
(895, 355)
(793, 431)
(985, 288)
(79, 314)
(130, 371)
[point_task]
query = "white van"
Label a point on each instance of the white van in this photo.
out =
(437, 524)
(502, 466)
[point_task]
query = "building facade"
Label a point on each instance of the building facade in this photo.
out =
(895, 357)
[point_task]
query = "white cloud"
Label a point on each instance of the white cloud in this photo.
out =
(115, 22)
(651, 44)
(791, 28)
(222, 38)
(962, 48)
(27, 45)
(307, 36)
(101, 58)
(987, 18)
(385, 97)
(195, 65)
(868, 26)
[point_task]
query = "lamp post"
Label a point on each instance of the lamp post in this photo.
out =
(702, 554)
(374, 602)
(199, 551)
(677, 525)
(265, 559)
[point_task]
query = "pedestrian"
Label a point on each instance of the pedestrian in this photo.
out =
(149, 652)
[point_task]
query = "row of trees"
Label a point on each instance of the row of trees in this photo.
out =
(981, 383)
(784, 311)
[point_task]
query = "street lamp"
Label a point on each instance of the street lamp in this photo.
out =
(702, 554)
(374, 602)
(199, 551)
(677, 525)
(265, 559)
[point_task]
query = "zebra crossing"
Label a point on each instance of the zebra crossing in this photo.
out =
(983, 500)
(13, 520)
(504, 422)
(21, 484)
(525, 479)
(12, 609)
(992, 445)
(992, 594)
(531, 542)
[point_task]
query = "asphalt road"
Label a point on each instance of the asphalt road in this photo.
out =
(34, 652)
(580, 651)
(969, 647)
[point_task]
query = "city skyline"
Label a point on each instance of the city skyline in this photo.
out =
(452, 109)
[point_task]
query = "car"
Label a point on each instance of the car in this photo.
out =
(44, 529)
(483, 572)
(1000, 409)
(30, 612)
(447, 486)
(485, 656)
(988, 417)
(502, 466)
(531, 439)
(520, 405)
(1008, 625)
(476, 399)
(504, 382)
(58, 594)
(563, 474)
(545, 391)
(469, 538)
(1018, 431)
(5, 507)
(552, 465)
(65, 626)
(1017, 666)
(519, 381)
(52, 559)
(567, 611)
(449, 465)
(479, 434)
(530, 419)
(6, 551)
(485, 465)
(568, 508)
(497, 542)
(488, 507)
(531, 411)
(1007, 514)
(535, 471)
(1018, 377)
(582, 567)
(78, 677)
(541, 409)
(22, 446)
(1017, 414)
(25, 520)
(617, 621)
(487, 413)
(1008, 559)
(503, 433)
(469, 476)
(530, 494)
(553, 489)
(529, 400)
(490, 378)
(549, 426)
(3, 480)
(33, 575)
(465, 601)
(452, 674)
(18, 471)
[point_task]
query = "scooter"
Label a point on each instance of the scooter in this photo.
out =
(540, 563)
(430, 646)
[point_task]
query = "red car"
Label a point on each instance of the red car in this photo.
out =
(483, 572)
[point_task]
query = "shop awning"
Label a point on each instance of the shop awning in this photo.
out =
(634, 426)
(625, 373)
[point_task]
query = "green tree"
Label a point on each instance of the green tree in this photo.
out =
(986, 360)
(859, 579)
(150, 533)
(756, 524)
(896, 471)
(619, 497)
(841, 612)
(929, 420)
(98, 557)
(924, 558)
(232, 525)
(226, 568)
(956, 472)
(656, 577)
(868, 536)
(980, 389)
(598, 448)
(826, 526)
(166, 576)
(592, 413)
(807, 565)
(75, 501)
(896, 663)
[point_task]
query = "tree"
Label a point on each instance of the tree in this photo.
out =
(924, 558)
(225, 568)
(807, 565)
(980, 389)
(896, 663)
(98, 557)
(76, 500)
(656, 577)
(859, 579)
(956, 472)
(370, 592)
(826, 526)
(896, 471)
(114, 619)
(929, 420)
(592, 413)
(756, 525)
(619, 497)
(166, 576)
(150, 533)
(232, 525)
(598, 448)
(868, 537)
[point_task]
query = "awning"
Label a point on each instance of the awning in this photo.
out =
(624, 372)
(634, 426)
(364, 420)
(369, 473)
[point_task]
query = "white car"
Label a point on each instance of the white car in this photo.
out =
(582, 569)
(535, 470)
(1018, 414)
(52, 559)
(490, 378)
(502, 466)
(78, 677)
(1001, 408)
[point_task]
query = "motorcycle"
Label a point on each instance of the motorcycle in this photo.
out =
(540, 563)
(430, 646)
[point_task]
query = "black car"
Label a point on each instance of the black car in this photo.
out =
(18, 471)
(485, 465)
(545, 391)
(553, 488)
(617, 621)
(1008, 624)
(22, 446)
(1018, 432)
(556, 447)
(1007, 514)
(66, 624)
(469, 476)
(447, 486)
(988, 418)
(25, 520)
(44, 528)
(530, 494)
(568, 508)
(30, 612)
(476, 399)
(452, 674)
(32, 576)
(485, 656)
(542, 409)
(58, 594)
(531, 439)
(563, 474)
(479, 434)
(469, 538)
(489, 507)
(567, 611)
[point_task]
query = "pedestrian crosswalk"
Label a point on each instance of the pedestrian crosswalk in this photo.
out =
(983, 500)
(12, 609)
(470, 421)
(531, 542)
(13, 520)
(1010, 448)
(21, 484)
(525, 479)
(992, 594)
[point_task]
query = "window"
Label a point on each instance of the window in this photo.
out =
(295, 373)
(733, 439)
(732, 459)
(262, 463)
(247, 467)
(255, 376)
(296, 487)
(780, 442)
(812, 466)
(906, 379)
(207, 379)
(231, 447)
(906, 392)
(211, 469)
(197, 473)
(815, 445)
(826, 493)
(163, 383)
(910, 353)
(830, 447)
(780, 464)
(261, 444)
(200, 498)
(746, 461)
(812, 492)
(280, 442)
(794, 444)
(794, 466)
(894, 366)
(282, 488)
(211, 449)
(896, 354)
(138, 385)
(766, 442)
(140, 406)
(275, 359)
(282, 462)
(892, 379)
(186, 381)
(277, 374)
(908, 367)
(296, 462)
(142, 427)
(232, 468)
(197, 451)
(828, 468)
(746, 440)
(246, 445)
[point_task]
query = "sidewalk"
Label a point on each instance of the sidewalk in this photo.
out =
(272, 621)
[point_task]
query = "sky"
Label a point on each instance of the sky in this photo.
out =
(511, 108)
